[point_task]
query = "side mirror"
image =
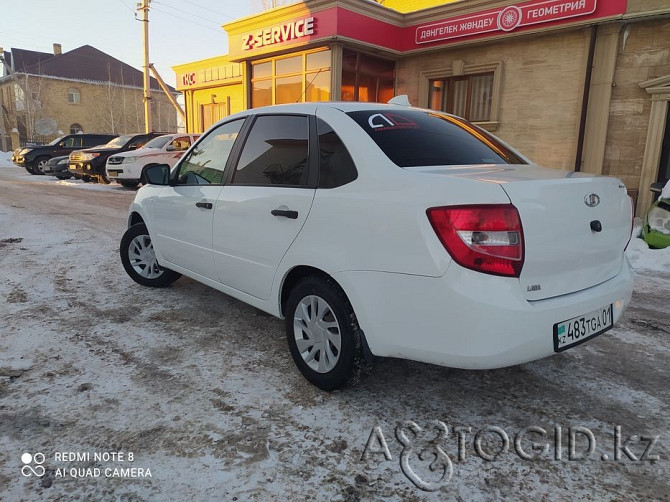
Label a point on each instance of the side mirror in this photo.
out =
(170, 148)
(156, 174)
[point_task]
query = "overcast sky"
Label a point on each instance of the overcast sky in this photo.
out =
(179, 30)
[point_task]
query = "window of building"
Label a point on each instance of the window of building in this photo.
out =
(366, 78)
(471, 92)
(73, 96)
(205, 163)
(76, 129)
(469, 96)
(275, 152)
(296, 78)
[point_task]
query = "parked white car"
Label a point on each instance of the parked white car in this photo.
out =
(126, 168)
(381, 230)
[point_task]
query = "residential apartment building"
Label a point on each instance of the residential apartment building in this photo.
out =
(44, 95)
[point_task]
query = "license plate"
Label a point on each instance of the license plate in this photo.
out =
(582, 328)
(112, 174)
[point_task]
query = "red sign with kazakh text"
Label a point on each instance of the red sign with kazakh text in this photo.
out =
(504, 19)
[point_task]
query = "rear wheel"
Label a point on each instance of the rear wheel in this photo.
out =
(323, 334)
(139, 259)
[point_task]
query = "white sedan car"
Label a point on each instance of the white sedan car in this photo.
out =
(126, 167)
(382, 230)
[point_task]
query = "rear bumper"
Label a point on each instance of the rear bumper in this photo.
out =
(466, 319)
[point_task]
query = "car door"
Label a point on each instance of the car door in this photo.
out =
(183, 212)
(264, 203)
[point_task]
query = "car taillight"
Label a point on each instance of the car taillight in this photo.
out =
(486, 238)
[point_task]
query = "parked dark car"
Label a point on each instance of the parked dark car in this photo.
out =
(34, 158)
(89, 164)
(58, 167)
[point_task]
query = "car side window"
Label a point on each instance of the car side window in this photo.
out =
(275, 152)
(181, 143)
(205, 163)
(138, 142)
(336, 167)
(69, 142)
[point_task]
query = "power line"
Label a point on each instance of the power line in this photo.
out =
(127, 6)
(185, 12)
(187, 20)
(211, 10)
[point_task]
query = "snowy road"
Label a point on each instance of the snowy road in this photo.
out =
(200, 389)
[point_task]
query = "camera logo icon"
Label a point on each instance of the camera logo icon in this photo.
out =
(32, 464)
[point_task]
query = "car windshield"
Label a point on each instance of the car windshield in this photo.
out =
(423, 138)
(120, 142)
(158, 142)
(56, 141)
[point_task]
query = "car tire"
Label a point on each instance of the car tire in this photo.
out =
(139, 260)
(323, 334)
(86, 178)
(38, 163)
(129, 184)
(102, 178)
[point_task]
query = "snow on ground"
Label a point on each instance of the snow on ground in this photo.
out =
(202, 390)
(642, 257)
(5, 159)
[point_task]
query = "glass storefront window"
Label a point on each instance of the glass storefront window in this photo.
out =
(317, 86)
(288, 65)
(262, 70)
(261, 93)
(366, 78)
(298, 78)
(288, 89)
(317, 60)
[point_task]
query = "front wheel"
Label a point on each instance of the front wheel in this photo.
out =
(39, 164)
(139, 259)
(323, 334)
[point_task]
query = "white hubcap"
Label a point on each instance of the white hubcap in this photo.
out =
(142, 257)
(317, 334)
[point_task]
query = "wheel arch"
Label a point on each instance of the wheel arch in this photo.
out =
(134, 218)
(294, 275)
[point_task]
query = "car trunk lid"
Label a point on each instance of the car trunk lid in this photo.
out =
(575, 226)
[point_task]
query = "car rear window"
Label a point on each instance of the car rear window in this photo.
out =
(422, 138)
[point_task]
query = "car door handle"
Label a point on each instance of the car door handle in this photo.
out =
(204, 205)
(286, 213)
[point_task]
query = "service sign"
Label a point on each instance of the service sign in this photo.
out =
(284, 32)
(504, 19)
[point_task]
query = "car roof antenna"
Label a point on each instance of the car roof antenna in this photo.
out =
(401, 100)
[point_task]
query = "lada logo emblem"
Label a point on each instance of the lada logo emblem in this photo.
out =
(592, 200)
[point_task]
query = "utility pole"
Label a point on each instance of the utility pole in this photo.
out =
(144, 7)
